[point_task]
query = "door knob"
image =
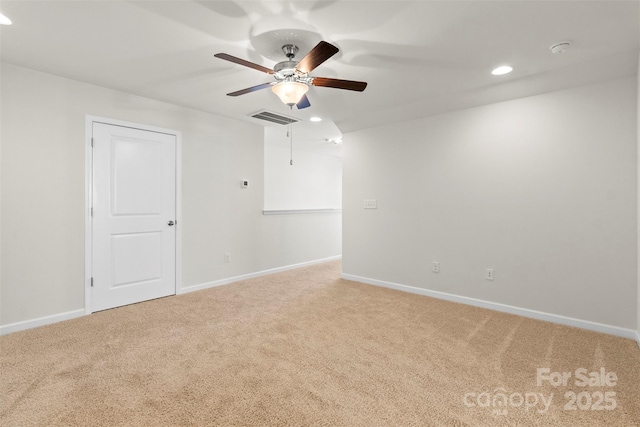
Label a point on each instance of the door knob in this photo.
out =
(170, 223)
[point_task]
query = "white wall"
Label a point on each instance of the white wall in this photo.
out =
(541, 189)
(314, 181)
(42, 211)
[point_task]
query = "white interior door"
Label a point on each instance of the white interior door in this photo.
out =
(134, 213)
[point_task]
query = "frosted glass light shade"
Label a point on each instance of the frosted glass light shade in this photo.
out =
(290, 92)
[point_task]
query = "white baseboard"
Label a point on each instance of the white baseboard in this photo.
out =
(638, 337)
(229, 280)
(47, 320)
(554, 318)
(41, 321)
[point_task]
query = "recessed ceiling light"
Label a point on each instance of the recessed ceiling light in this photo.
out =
(560, 47)
(315, 119)
(4, 20)
(504, 69)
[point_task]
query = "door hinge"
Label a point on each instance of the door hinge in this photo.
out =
(92, 282)
(91, 142)
(91, 212)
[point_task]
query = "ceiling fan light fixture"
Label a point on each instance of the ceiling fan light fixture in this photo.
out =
(290, 93)
(293, 78)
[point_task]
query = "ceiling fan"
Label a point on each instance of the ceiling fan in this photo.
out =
(292, 77)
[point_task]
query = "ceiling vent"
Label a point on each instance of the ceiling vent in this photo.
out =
(272, 117)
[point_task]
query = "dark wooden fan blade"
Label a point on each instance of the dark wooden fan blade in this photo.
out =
(303, 103)
(251, 89)
(339, 84)
(317, 56)
(249, 64)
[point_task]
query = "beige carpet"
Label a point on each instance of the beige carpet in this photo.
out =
(306, 348)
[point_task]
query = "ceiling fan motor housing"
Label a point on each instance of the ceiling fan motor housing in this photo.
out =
(286, 71)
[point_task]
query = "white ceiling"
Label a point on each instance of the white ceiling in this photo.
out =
(419, 57)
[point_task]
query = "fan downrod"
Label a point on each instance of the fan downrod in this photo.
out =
(290, 50)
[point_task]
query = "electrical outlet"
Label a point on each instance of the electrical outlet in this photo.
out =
(436, 267)
(227, 257)
(489, 274)
(371, 204)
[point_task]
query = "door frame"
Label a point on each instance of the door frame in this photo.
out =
(88, 198)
